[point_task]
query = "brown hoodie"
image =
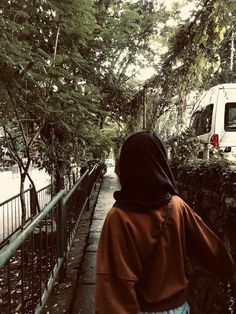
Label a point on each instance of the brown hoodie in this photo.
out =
(127, 282)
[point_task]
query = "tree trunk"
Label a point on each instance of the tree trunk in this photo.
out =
(59, 176)
(34, 196)
(22, 196)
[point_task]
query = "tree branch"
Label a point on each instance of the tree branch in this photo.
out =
(17, 115)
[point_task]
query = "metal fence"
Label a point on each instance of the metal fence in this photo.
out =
(34, 256)
(11, 210)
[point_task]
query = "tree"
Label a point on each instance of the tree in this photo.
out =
(39, 85)
(69, 67)
(124, 34)
(64, 72)
(193, 61)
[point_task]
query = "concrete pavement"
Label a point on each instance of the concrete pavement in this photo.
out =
(83, 300)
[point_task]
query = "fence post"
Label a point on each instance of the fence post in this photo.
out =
(62, 237)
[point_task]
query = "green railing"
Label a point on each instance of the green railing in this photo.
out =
(34, 257)
(11, 211)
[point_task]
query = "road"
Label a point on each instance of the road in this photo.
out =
(10, 181)
(10, 213)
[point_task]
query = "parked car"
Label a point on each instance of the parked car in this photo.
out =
(214, 120)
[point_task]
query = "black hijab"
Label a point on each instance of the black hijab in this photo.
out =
(147, 182)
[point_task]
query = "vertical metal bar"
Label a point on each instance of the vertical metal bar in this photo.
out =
(28, 204)
(15, 207)
(58, 240)
(19, 211)
(60, 233)
(23, 278)
(8, 233)
(69, 219)
(42, 198)
(61, 227)
(52, 242)
(9, 286)
(39, 200)
(46, 249)
(40, 263)
(3, 222)
(12, 217)
(33, 279)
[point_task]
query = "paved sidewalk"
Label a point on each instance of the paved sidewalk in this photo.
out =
(83, 302)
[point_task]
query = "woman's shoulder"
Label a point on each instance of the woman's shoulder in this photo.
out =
(117, 221)
(177, 201)
(179, 204)
(116, 214)
(183, 208)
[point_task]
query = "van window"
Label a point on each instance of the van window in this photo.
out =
(230, 116)
(201, 120)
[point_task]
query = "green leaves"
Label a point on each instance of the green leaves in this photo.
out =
(70, 63)
(197, 58)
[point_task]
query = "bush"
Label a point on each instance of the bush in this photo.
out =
(209, 187)
(184, 147)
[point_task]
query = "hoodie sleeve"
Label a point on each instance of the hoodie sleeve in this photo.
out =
(204, 245)
(117, 270)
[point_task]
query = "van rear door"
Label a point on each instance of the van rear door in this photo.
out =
(229, 136)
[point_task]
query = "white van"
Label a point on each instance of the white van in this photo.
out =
(214, 120)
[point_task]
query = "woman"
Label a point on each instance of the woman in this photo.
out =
(147, 235)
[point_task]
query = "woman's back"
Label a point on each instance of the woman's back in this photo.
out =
(144, 244)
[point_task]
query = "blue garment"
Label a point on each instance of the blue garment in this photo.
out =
(183, 309)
